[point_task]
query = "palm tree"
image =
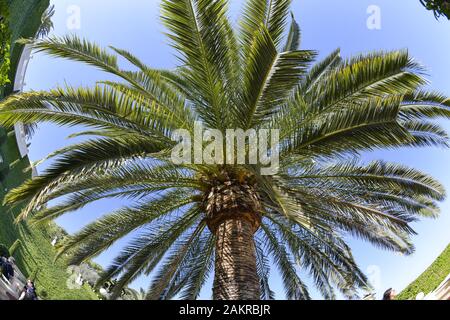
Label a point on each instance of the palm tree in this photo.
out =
(188, 219)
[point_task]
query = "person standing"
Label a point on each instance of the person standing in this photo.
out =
(7, 268)
(29, 292)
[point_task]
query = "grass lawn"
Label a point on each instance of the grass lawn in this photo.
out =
(430, 278)
(36, 255)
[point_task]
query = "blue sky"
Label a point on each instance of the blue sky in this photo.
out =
(326, 24)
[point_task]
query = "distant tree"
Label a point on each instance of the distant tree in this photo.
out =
(439, 7)
(54, 230)
(89, 274)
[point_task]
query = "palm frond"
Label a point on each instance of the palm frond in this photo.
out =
(294, 35)
(74, 48)
(263, 266)
(101, 234)
(168, 271)
(144, 253)
(270, 77)
(294, 287)
(186, 21)
(199, 270)
(270, 14)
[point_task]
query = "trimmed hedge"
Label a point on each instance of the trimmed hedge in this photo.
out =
(16, 245)
(430, 279)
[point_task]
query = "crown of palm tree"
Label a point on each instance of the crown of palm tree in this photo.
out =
(247, 77)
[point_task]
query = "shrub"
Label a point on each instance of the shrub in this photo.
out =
(43, 294)
(3, 174)
(439, 7)
(4, 251)
(14, 247)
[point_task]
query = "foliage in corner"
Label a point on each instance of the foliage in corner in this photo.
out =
(439, 7)
(5, 45)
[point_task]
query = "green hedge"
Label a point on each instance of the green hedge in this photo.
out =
(16, 245)
(25, 20)
(430, 279)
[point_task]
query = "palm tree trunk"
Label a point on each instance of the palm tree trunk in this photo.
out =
(236, 276)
